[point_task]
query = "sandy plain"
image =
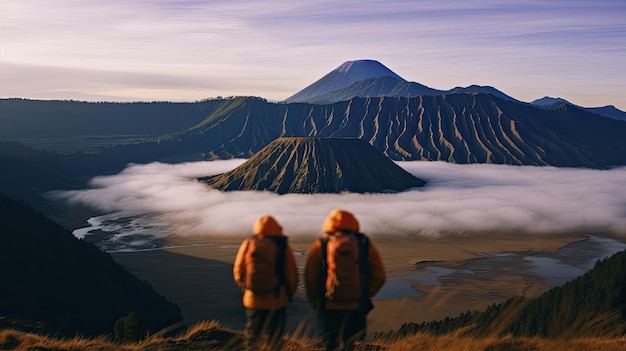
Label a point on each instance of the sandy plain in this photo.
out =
(196, 274)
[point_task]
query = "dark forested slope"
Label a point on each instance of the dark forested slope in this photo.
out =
(67, 285)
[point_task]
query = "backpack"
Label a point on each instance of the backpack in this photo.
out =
(344, 267)
(264, 263)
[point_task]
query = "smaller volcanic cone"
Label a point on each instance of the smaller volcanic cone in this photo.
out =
(311, 165)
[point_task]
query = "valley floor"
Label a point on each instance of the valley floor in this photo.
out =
(197, 275)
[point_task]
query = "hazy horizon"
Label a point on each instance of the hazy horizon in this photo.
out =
(167, 50)
(458, 199)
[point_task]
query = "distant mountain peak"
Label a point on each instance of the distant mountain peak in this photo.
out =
(344, 67)
(346, 74)
(370, 78)
(364, 69)
(549, 101)
(609, 111)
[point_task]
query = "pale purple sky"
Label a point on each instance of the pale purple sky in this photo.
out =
(188, 50)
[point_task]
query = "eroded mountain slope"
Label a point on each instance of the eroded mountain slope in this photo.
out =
(460, 128)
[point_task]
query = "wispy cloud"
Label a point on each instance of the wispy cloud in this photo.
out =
(460, 199)
(275, 48)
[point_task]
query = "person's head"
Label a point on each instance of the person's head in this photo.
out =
(340, 220)
(267, 225)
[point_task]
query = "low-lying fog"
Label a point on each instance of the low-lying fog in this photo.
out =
(166, 199)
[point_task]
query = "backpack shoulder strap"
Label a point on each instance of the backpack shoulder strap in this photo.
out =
(251, 238)
(364, 272)
(364, 244)
(323, 271)
(246, 244)
(279, 268)
(281, 244)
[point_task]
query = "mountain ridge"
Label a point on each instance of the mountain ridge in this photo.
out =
(609, 111)
(458, 128)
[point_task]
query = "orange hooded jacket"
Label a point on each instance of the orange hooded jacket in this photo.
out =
(340, 220)
(266, 226)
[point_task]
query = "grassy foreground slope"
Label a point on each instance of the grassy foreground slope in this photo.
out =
(210, 336)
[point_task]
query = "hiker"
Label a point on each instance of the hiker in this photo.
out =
(265, 269)
(343, 272)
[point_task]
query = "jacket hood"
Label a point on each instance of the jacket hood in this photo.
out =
(340, 220)
(267, 225)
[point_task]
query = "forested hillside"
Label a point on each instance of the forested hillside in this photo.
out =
(58, 284)
(593, 305)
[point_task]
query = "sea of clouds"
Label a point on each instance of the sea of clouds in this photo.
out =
(160, 199)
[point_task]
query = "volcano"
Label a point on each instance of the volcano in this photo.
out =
(311, 165)
(342, 77)
(370, 78)
(360, 78)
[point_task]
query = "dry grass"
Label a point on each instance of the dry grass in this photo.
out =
(16, 340)
(212, 336)
(427, 342)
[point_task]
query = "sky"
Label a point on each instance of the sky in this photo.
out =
(457, 199)
(188, 50)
